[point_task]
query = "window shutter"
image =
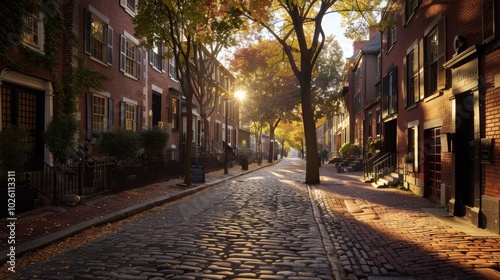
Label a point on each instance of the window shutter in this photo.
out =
(163, 60)
(421, 69)
(139, 118)
(442, 54)
(89, 116)
(122, 115)
(488, 20)
(138, 50)
(151, 56)
(416, 86)
(88, 37)
(394, 94)
(111, 113)
(406, 78)
(122, 52)
(385, 96)
(110, 46)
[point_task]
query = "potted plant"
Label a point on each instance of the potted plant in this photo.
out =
(409, 162)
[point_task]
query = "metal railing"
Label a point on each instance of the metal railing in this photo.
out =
(368, 173)
(385, 164)
(79, 176)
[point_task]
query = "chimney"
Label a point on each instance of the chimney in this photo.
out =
(358, 45)
(372, 32)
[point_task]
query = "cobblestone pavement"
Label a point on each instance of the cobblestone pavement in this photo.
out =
(386, 232)
(261, 225)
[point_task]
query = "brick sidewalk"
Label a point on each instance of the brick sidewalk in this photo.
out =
(52, 220)
(391, 232)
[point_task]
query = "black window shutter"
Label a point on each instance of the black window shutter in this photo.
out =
(394, 95)
(139, 118)
(89, 116)
(122, 115)
(122, 53)
(111, 113)
(110, 46)
(138, 50)
(87, 26)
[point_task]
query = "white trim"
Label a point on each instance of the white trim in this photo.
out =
(131, 37)
(157, 89)
(98, 14)
(130, 101)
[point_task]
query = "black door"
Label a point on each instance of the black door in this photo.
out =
(156, 108)
(24, 107)
(390, 139)
(464, 149)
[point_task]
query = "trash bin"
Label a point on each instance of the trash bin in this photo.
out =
(244, 163)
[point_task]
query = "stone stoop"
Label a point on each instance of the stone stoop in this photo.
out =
(392, 179)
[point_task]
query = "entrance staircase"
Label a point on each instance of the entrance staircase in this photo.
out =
(381, 170)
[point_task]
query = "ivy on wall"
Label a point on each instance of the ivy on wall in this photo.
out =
(60, 134)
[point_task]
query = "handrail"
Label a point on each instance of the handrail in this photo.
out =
(385, 164)
(368, 165)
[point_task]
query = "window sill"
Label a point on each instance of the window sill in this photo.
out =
(411, 107)
(99, 61)
(130, 76)
(433, 96)
(33, 47)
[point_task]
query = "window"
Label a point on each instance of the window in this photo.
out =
(391, 35)
(435, 58)
(172, 69)
(357, 103)
(379, 122)
(174, 108)
(370, 126)
(98, 36)
(130, 56)
(390, 93)
(412, 66)
(130, 6)
(33, 31)
(410, 7)
(130, 117)
(489, 20)
(99, 113)
(156, 57)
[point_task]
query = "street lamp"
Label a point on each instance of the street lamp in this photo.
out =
(238, 95)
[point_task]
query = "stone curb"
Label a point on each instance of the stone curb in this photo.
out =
(112, 217)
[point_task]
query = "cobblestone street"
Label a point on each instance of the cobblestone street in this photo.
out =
(267, 224)
(258, 226)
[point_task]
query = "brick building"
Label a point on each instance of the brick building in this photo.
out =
(439, 65)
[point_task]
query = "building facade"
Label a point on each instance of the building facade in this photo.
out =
(439, 62)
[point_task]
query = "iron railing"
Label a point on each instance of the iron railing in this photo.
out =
(385, 164)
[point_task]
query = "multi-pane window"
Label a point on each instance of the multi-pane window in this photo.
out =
(412, 77)
(99, 113)
(391, 35)
(156, 57)
(172, 70)
(130, 56)
(130, 6)
(174, 104)
(98, 42)
(130, 117)
(33, 31)
(410, 7)
(435, 56)
(98, 36)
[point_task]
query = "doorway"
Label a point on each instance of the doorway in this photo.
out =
(432, 167)
(156, 108)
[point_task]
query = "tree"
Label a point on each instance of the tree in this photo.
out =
(187, 28)
(273, 89)
(296, 25)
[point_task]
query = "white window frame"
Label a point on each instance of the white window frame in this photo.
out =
(130, 117)
(90, 15)
(39, 32)
(97, 116)
(131, 10)
(130, 56)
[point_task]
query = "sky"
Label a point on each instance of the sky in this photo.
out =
(331, 25)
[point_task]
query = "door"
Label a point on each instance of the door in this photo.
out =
(432, 166)
(464, 150)
(390, 138)
(23, 107)
(156, 108)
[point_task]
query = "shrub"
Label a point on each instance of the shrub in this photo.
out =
(120, 145)
(14, 148)
(60, 137)
(154, 141)
(344, 149)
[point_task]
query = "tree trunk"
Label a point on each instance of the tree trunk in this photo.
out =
(312, 160)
